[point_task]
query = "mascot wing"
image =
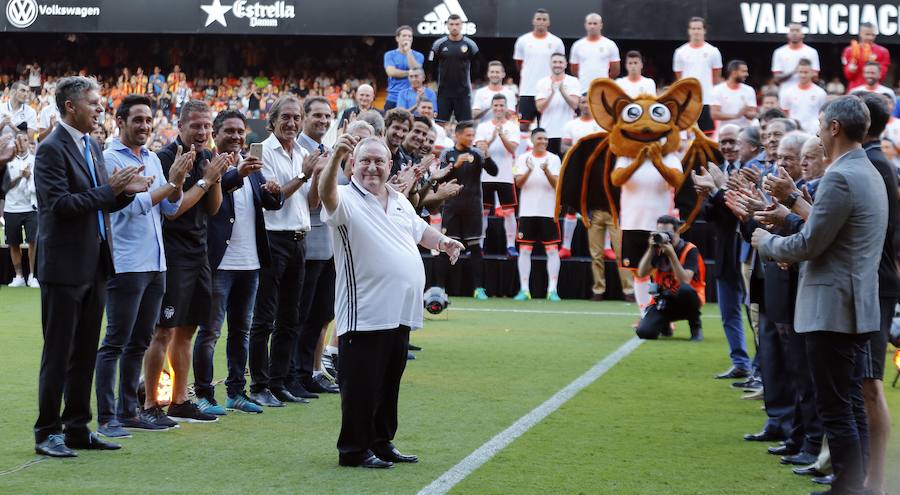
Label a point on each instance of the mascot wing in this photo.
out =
(700, 153)
(583, 181)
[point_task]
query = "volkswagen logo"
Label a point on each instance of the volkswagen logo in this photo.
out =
(21, 13)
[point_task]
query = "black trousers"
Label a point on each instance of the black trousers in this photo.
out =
(454, 104)
(835, 363)
(555, 146)
(317, 309)
(71, 317)
(806, 431)
(778, 392)
(276, 313)
(369, 374)
(683, 305)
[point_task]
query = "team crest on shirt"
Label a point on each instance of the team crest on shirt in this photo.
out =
(168, 312)
(626, 262)
(464, 48)
(520, 235)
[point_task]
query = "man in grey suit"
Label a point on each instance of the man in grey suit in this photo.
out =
(837, 299)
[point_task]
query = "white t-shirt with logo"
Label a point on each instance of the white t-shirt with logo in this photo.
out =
(241, 251)
(537, 197)
(700, 63)
(483, 99)
(23, 197)
(785, 60)
(803, 105)
(535, 54)
(731, 101)
(593, 58)
(646, 196)
(634, 88)
(23, 114)
(576, 129)
(558, 112)
(497, 152)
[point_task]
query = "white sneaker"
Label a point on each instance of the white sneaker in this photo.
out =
(33, 282)
(18, 282)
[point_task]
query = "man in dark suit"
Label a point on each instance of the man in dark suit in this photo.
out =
(237, 247)
(837, 299)
(74, 262)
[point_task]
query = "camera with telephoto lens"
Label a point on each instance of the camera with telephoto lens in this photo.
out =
(661, 237)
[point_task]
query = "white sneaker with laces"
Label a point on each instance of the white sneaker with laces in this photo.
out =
(33, 282)
(18, 282)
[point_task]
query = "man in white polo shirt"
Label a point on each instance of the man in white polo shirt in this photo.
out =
(594, 55)
(786, 57)
(733, 102)
(378, 297)
(803, 102)
(532, 54)
(700, 60)
(557, 98)
(634, 83)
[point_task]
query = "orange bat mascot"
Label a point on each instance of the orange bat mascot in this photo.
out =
(633, 170)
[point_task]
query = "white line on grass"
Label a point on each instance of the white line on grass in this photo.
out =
(555, 312)
(501, 440)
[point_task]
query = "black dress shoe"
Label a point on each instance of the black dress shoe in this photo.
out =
(808, 471)
(733, 374)
(298, 390)
(394, 455)
(370, 462)
(823, 480)
(786, 450)
(285, 396)
(54, 446)
(763, 436)
(413, 347)
(800, 459)
(91, 442)
(320, 384)
(265, 398)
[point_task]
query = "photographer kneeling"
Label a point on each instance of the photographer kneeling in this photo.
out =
(679, 282)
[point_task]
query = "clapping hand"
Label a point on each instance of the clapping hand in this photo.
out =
(772, 216)
(704, 184)
(183, 164)
(780, 185)
(121, 178)
(272, 187)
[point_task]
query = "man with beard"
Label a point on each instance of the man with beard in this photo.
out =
(317, 294)
(453, 56)
(186, 302)
(461, 215)
(787, 56)
(871, 76)
(594, 56)
(484, 96)
(136, 291)
(498, 139)
(557, 97)
(733, 102)
(238, 248)
(397, 123)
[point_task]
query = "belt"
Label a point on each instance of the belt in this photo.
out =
(297, 235)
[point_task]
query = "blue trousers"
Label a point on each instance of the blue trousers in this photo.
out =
(730, 295)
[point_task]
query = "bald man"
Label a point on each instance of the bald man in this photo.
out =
(365, 95)
(594, 56)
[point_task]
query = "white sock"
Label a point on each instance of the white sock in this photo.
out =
(484, 224)
(642, 292)
(569, 222)
(509, 223)
(607, 244)
(552, 269)
(524, 267)
(330, 349)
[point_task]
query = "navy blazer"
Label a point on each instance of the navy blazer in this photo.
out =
(221, 224)
(727, 247)
(69, 249)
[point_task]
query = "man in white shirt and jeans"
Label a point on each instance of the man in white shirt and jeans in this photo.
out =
(378, 299)
(20, 211)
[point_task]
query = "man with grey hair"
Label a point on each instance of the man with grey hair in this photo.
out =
(378, 299)
(837, 301)
(374, 119)
(409, 98)
(75, 196)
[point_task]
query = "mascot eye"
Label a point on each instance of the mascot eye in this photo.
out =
(660, 113)
(632, 112)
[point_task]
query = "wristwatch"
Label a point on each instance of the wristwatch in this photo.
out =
(202, 184)
(302, 177)
(791, 199)
(174, 186)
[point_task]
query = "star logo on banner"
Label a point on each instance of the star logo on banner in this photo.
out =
(215, 12)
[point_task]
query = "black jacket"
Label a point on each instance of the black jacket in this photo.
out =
(727, 245)
(69, 249)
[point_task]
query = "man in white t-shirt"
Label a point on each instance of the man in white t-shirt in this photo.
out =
(532, 55)
(556, 99)
(17, 113)
(700, 60)
(803, 102)
(34, 77)
(498, 139)
(594, 55)
(481, 102)
(786, 57)
(733, 102)
(47, 119)
(20, 211)
(871, 75)
(378, 295)
(634, 83)
(536, 175)
(579, 127)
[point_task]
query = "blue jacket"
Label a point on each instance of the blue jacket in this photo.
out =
(221, 224)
